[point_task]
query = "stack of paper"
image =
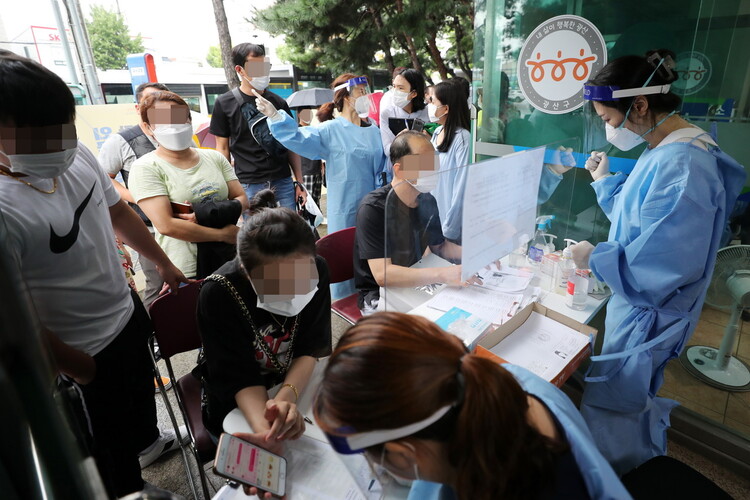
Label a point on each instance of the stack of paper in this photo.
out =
(485, 303)
(542, 346)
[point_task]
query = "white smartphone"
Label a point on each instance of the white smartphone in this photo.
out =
(244, 462)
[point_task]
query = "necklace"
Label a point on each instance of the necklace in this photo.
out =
(54, 183)
(282, 324)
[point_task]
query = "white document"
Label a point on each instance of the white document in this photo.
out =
(499, 207)
(487, 304)
(505, 280)
(541, 345)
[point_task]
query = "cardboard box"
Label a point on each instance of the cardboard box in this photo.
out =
(492, 339)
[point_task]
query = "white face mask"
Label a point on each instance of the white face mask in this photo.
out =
(44, 165)
(260, 83)
(174, 137)
(622, 138)
(425, 182)
(400, 98)
(432, 111)
(286, 307)
(362, 106)
(625, 139)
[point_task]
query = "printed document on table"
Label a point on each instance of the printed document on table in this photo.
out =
(500, 203)
(541, 345)
(505, 280)
(487, 304)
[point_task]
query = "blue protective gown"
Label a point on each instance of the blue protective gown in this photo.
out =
(354, 160)
(667, 219)
(452, 182)
(601, 481)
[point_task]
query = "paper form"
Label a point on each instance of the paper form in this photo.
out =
(505, 280)
(487, 304)
(499, 206)
(541, 345)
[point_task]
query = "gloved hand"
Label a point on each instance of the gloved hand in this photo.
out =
(265, 106)
(581, 253)
(598, 165)
(565, 161)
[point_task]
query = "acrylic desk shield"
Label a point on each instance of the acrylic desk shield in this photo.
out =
(489, 211)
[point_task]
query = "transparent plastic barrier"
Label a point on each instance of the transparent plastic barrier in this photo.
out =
(413, 235)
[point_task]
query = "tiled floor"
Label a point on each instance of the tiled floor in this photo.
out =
(729, 408)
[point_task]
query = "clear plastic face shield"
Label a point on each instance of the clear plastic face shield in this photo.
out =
(346, 441)
(360, 95)
(595, 136)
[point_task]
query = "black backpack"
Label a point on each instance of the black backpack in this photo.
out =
(256, 122)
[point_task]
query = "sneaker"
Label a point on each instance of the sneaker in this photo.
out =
(164, 380)
(166, 443)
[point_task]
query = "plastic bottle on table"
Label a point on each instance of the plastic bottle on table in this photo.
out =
(539, 245)
(578, 290)
(567, 266)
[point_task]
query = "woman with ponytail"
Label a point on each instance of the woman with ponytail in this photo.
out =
(264, 317)
(409, 395)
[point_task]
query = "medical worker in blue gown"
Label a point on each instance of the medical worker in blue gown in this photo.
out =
(350, 145)
(451, 424)
(667, 218)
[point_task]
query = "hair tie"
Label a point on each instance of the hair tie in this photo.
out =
(663, 65)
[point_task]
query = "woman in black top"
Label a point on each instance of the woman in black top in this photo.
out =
(264, 317)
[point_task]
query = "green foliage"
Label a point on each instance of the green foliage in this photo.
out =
(110, 39)
(214, 57)
(351, 35)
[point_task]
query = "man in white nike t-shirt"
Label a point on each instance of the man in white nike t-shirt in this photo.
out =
(62, 214)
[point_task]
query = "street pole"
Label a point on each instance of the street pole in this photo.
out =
(71, 63)
(83, 46)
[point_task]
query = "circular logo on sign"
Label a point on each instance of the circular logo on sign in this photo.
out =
(558, 57)
(693, 72)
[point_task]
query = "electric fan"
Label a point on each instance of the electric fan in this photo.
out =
(729, 290)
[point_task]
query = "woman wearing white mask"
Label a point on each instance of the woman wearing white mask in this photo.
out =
(406, 103)
(176, 172)
(447, 106)
(264, 317)
(668, 216)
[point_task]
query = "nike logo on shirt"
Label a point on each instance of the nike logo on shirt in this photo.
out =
(61, 244)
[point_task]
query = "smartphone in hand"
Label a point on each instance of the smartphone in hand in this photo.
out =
(181, 208)
(417, 125)
(246, 463)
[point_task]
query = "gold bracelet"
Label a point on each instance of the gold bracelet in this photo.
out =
(296, 393)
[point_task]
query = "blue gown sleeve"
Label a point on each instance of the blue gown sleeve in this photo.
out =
(547, 184)
(607, 190)
(309, 142)
(677, 220)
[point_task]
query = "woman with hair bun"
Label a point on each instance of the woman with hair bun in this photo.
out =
(409, 395)
(264, 317)
(668, 217)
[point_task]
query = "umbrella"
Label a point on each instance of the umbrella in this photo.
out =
(205, 138)
(310, 98)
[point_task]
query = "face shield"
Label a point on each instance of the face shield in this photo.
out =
(360, 95)
(595, 136)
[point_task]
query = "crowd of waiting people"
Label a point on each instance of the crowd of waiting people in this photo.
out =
(458, 426)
